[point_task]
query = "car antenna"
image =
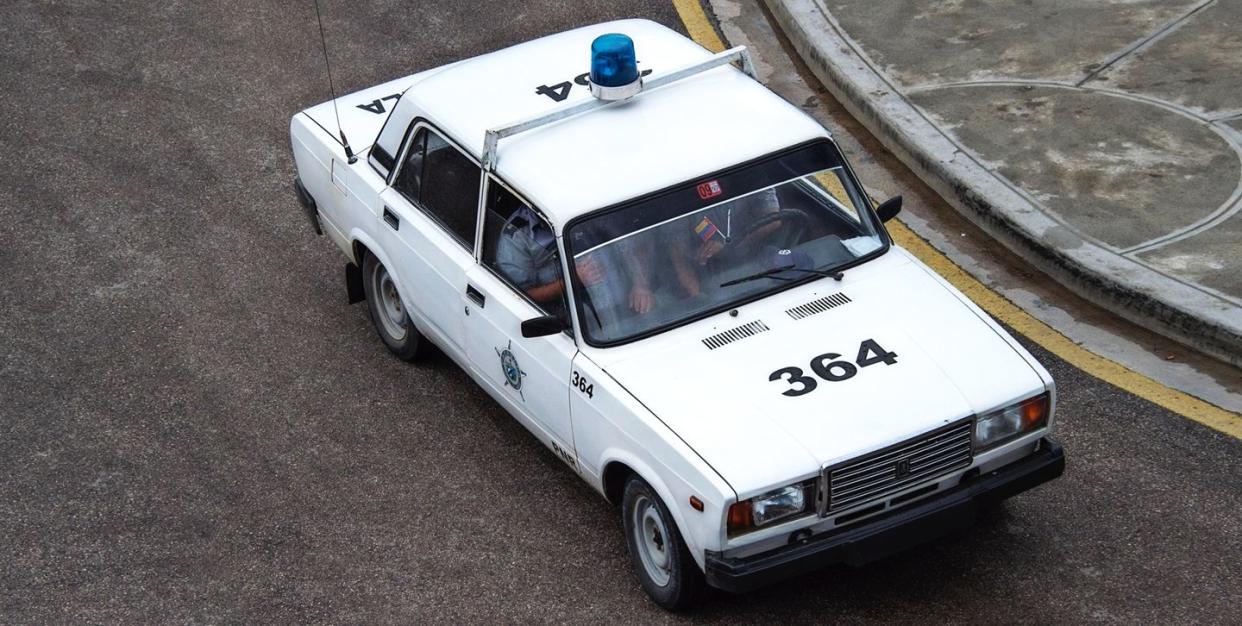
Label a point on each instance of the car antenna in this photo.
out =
(349, 153)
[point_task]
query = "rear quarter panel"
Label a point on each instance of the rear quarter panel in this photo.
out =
(313, 155)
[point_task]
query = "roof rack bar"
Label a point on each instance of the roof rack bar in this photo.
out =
(493, 136)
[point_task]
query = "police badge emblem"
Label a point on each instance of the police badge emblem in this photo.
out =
(509, 367)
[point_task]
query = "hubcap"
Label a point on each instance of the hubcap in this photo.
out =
(391, 311)
(652, 538)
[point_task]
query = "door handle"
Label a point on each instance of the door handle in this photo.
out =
(391, 219)
(475, 295)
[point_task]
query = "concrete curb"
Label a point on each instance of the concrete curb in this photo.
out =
(1127, 288)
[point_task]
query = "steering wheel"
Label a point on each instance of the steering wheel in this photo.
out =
(794, 221)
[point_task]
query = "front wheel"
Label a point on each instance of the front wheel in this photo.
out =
(658, 553)
(392, 322)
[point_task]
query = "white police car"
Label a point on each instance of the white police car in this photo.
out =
(674, 280)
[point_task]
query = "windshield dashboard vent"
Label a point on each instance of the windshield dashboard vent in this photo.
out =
(818, 306)
(734, 334)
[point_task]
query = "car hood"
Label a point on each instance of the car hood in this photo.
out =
(729, 404)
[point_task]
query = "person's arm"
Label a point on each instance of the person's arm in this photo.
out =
(589, 272)
(544, 294)
(686, 274)
(709, 249)
(517, 263)
(763, 232)
(636, 256)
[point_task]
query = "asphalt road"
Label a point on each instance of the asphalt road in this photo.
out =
(194, 426)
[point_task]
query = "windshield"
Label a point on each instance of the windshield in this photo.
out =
(679, 255)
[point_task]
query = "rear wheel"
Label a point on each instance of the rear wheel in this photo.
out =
(388, 313)
(657, 551)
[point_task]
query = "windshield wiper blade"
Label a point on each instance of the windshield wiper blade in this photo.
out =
(768, 273)
(772, 273)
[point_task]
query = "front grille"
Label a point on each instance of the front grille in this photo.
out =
(906, 464)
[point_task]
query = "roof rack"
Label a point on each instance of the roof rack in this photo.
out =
(494, 135)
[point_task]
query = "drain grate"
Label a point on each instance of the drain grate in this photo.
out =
(818, 306)
(734, 334)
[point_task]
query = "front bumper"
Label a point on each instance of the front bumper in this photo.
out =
(950, 510)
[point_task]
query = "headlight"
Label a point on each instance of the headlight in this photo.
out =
(1001, 425)
(771, 507)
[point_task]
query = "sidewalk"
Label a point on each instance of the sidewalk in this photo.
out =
(1102, 143)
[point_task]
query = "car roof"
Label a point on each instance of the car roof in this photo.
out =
(659, 138)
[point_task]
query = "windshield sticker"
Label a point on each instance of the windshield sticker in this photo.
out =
(828, 368)
(710, 189)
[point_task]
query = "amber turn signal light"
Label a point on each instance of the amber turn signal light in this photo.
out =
(1034, 413)
(740, 517)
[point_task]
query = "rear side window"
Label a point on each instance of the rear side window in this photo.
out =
(408, 181)
(442, 181)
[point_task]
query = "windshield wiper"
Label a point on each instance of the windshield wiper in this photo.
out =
(772, 273)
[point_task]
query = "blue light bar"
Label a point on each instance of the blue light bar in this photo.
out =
(614, 67)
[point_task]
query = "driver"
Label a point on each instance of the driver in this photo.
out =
(726, 228)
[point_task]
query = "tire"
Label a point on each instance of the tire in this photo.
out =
(657, 551)
(388, 314)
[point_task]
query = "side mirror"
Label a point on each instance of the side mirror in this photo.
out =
(889, 208)
(542, 326)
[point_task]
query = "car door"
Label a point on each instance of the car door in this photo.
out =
(429, 215)
(519, 278)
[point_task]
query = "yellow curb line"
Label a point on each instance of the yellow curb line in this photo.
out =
(1188, 406)
(697, 24)
(1104, 369)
